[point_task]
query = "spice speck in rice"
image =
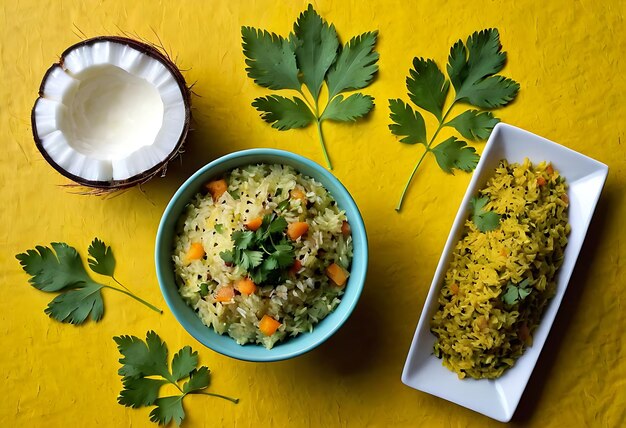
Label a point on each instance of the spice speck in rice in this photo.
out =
(264, 255)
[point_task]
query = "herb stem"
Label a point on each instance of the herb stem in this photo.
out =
(234, 400)
(139, 299)
(419, 162)
(318, 122)
(122, 285)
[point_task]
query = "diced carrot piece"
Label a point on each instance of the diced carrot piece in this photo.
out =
(225, 294)
(195, 252)
(254, 224)
(549, 169)
(298, 194)
(565, 198)
(217, 188)
(268, 325)
(345, 229)
(541, 181)
(337, 274)
(297, 265)
(524, 335)
(482, 323)
(245, 286)
(297, 229)
(454, 288)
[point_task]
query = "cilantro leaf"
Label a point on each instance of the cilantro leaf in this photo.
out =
(474, 124)
(408, 124)
(484, 220)
(74, 306)
(198, 379)
(53, 272)
(316, 48)
(516, 292)
(101, 258)
(454, 153)
(168, 409)
(141, 359)
(270, 59)
(139, 392)
(472, 68)
(427, 86)
(355, 66)
(184, 362)
(277, 225)
(283, 113)
(349, 109)
(265, 254)
(310, 56)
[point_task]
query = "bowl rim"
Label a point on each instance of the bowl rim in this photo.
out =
(348, 205)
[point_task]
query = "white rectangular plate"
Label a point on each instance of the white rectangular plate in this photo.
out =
(499, 398)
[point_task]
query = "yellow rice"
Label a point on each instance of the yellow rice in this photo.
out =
(478, 334)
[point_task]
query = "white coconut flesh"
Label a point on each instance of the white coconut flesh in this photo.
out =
(109, 112)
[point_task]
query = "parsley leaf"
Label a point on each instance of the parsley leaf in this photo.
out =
(316, 48)
(142, 359)
(310, 56)
(485, 221)
(264, 254)
(349, 109)
(407, 123)
(427, 86)
(474, 124)
(471, 70)
(356, 65)
(61, 269)
(283, 113)
(101, 258)
(516, 292)
(270, 59)
(453, 153)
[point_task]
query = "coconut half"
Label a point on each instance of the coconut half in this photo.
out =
(111, 113)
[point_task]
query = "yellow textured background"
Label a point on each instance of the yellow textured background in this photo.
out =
(568, 57)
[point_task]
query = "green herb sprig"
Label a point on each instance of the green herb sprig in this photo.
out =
(312, 56)
(145, 369)
(472, 69)
(516, 292)
(265, 253)
(484, 220)
(60, 268)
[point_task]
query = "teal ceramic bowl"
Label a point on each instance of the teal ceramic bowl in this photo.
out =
(187, 317)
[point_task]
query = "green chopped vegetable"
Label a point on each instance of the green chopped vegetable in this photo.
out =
(204, 289)
(264, 254)
(516, 292)
(472, 69)
(310, 56)
(60, 268)
(145, 370)
(219, 228)
(485, 221)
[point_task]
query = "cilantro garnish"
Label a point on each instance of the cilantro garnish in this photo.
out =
(60, 268)
(311, 55)
(472, 69)
(516, 292)
(264, 254)
(485, 221)
(145, 369)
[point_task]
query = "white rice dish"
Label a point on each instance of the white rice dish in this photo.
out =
(300, 299)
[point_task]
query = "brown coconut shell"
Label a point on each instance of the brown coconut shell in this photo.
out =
(111, 185)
